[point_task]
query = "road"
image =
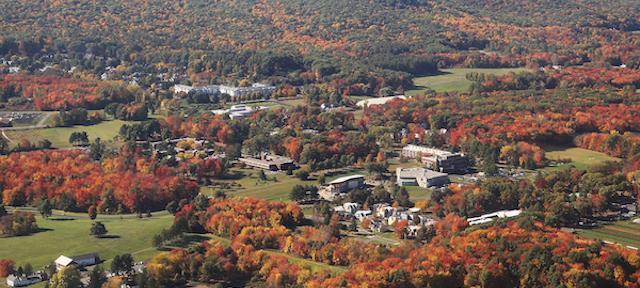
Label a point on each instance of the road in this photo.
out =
(40, 125)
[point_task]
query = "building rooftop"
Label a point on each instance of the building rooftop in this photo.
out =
(418, 172)
(346, 178)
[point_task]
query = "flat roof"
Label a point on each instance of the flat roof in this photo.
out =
(346, 178)
(418, 171)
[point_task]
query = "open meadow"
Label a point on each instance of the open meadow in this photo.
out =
(454, 80)
(59, 136)
(69, 235)
(625, 233)
(580, 158)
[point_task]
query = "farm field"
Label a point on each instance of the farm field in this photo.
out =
(454, 80)
(580, 158)
(625, 233)
(59, 136)
(69, 235)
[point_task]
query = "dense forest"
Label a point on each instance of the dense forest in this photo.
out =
(307, 41)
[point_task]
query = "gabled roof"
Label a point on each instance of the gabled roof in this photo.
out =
(63, 261)
(90, 256)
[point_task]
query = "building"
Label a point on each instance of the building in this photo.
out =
(269, 162)
(239, 111)
(422, 177)
(437, 159)
(486, 218)
(378, 100)
(346, 183)
(19, 281)
(80, 260)
(255, 88)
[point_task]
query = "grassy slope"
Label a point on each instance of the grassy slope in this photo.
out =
(623, 232)
(454, 79)
(581, 158)
(252, 186)
(71, 237)
(59, 136)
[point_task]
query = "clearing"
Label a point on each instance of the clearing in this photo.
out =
(59, 136)
(625, 233)
(454, 80)
(580, 158)
(69, 235)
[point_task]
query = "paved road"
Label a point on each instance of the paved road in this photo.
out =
(40, 125)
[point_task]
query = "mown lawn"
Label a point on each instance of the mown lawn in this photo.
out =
(580, 158)
(69, 236)
(59, 136)
(454, 80)
(277, 187)
(625, 233)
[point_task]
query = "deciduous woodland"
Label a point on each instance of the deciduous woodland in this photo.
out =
(521, 253)
(72, 181)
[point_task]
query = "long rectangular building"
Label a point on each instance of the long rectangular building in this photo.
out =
(437, 159)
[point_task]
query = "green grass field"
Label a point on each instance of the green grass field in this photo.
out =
(248, 184)
(59, 136)
(625, 233)
(580, 158)
(71, 237)
(454, 80)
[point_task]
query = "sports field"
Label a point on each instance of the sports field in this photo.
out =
(454, 80)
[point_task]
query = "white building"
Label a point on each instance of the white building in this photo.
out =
(256, 88)
(346, 183)
(422, 177)
(378, 100)
(239, 111)
(486, 218)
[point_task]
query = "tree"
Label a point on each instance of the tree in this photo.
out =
(6, 267)
(3, 211)
(45, 208)
(27, 269)
(97, 277)
(302, 174)
(66, 278)
(98, 229)
(4, 146)
(262, 176)
(92, 212)
(122, 264)
(172, 207)
(78, 138)
(97, 149)
(297, 193)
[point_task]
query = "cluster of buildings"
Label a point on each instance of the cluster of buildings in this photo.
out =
(437, 159)
(269, 162)
(255, 88)
(382, 216)
(80, 261)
